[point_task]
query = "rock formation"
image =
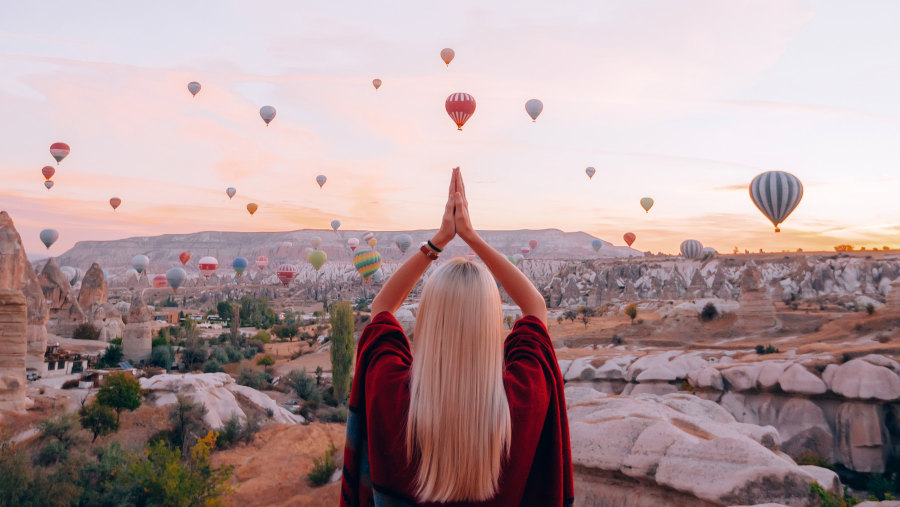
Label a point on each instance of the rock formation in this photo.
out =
(756, 311)
(101, 314)
(893, 299)
(13, 349)
(93, 288)
(219, 393)
(137, 341)
(65, 312)
(16, 273)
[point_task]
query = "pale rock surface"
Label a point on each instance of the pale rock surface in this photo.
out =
(769, 373)
(742, 377)
(863, 442)
(13, 349)
(564, 366)
(65, 312)
(219, 393)
(706, 378)
(798, 380)
(138, 338)
(406, 319)
(756, 311)
(690, 445)
(859, 378)
(828, 479)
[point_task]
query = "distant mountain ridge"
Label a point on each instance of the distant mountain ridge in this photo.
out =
(163, 250)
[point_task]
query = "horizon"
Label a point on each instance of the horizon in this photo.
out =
(686, 109)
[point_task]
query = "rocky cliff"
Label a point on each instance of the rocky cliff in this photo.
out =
(13, 347)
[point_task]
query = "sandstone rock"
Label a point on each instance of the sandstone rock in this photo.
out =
(107, 319)
(564, 366)
(580, 369)
(799, 380)
(93, 287)
(769, 373)
(219, 393)
(802, 425)
(742, 377)
(13, 349)
(65, 312)
(687, 444)
(861, 379)
(138, 338)
(706, 378)
(828, 479)
(756, 311)
(893, 299)
(863, 444)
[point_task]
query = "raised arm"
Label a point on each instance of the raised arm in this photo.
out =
(517, 285)
(398, 286)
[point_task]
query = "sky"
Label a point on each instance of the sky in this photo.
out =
(684, 101)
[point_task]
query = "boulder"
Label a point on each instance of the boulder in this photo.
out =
(13, 349)
(107, 319)
(799, 380)
(769, 373)
(742, 377)
(863, 442)
(219, 393)
(65, 312)
(706, 378)
(801, 423)
(93, 287)
(859, 378)
(690, 445)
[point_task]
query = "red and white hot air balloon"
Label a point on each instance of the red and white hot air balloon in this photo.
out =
(207, 266)
(286, 273)
(261, 262)
(353, 243)
(532, 243)
(629, 238)
(159, 281)
(48, 171)
(525, 250)
(460, 106)
(59, 151)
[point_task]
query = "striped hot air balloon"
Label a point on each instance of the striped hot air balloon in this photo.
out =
(286, 273)
(776, 194)
(691, 249)
(460, 106)
(159, 281)
(207, 265)
(261, 262)
(367, 262)
(59, 151)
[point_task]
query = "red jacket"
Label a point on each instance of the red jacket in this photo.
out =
(538, 470)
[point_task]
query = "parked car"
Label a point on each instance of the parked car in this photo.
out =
(32, 376)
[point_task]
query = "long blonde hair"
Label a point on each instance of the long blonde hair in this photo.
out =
(458, 428)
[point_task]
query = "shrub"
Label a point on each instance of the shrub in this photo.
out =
(187, 421)
(112, 356)
(70, 384)
(235, 432)
(323, 468)
(258, 380)
(342, 348)
(212, 366)
(301, 383)
(709, 312)
(194, 354)
(829, 499)
(98, 419)
(262, 336)
(768, 349)
(870, 308)
(162, 356)
(120, 392)
(286, 331)
(332, 414)
(631, 311)
(86, 331)
(617, 340)
(266, 361)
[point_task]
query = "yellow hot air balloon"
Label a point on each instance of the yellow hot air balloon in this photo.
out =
(317, 258)
(252, 207)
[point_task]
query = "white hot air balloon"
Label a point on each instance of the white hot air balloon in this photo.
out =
(316, 242)
(534, 107)
(140, 262)
(267, 113)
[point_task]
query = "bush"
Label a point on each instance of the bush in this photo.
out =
(86, 331)
(262, 336)
(258, 380)
(301, 383)
(332, 414)
(617, 340)
(112, 356)
(266, 361)
(829, 499)
(323, 468)
(709, 312)
(870, 308)
(162, 356)
(286, 331)
(212, 366)
(342, 348)
(194, 355)
(768, 349)
(235, 432)
(187, 421)
(70, 384)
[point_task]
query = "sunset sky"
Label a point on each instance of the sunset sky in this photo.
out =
(683, 101)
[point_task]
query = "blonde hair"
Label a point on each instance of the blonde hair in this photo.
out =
(458, 428)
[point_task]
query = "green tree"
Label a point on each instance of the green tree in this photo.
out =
(99, 419)
(631, 311)
(286, 331)
(120, 392)
(235, 327)
(225, 310)
(341, 348)
(262, 336)
(162, 356)
(266, 361)
(86, 331)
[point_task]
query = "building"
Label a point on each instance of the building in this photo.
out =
(59, 362)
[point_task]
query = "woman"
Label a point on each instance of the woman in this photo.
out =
(459, 417)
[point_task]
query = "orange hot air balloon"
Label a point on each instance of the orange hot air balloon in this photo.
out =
(460, 106)
(115, 202)
(629, 238)
(447, 55)
(184, 257)
(376, 83)
(48, 172)
(252, 207)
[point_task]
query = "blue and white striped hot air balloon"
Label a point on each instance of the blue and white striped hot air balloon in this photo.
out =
(776, 194)
(691, 249)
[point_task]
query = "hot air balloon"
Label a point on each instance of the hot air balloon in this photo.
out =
(776, 194)
(317, 258)
(403, 241)
(194, 88)
(470, 256)
(335, 224)
(286, 273)
(315, 241)
(447, 55)
(368, 236)
(646, 203)
(70, 273)
(352, 243)
(708, 252)
(691, 249)
(534, 107)
(321, 179)
(159, 281)
(460, 106)
(518, 257)
(533, 244)
(207, 265)
(629, 238)
(512, 259)
(376, 83)
(131, 273)
(367, 262)
(596, 244)
(184, 257)
(525, 250)
(285, 246)
(59, 151)
(239, 265)
(48, 184)
(261, 262)
(230, 191)
(590, 171)
(176, 277)
(372, 242)
(252, 207)
(267, 113)
(48, 171)
(48, 237)
(140, 262)
(115, 202)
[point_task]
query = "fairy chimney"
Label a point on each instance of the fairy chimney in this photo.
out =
(13, 350)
